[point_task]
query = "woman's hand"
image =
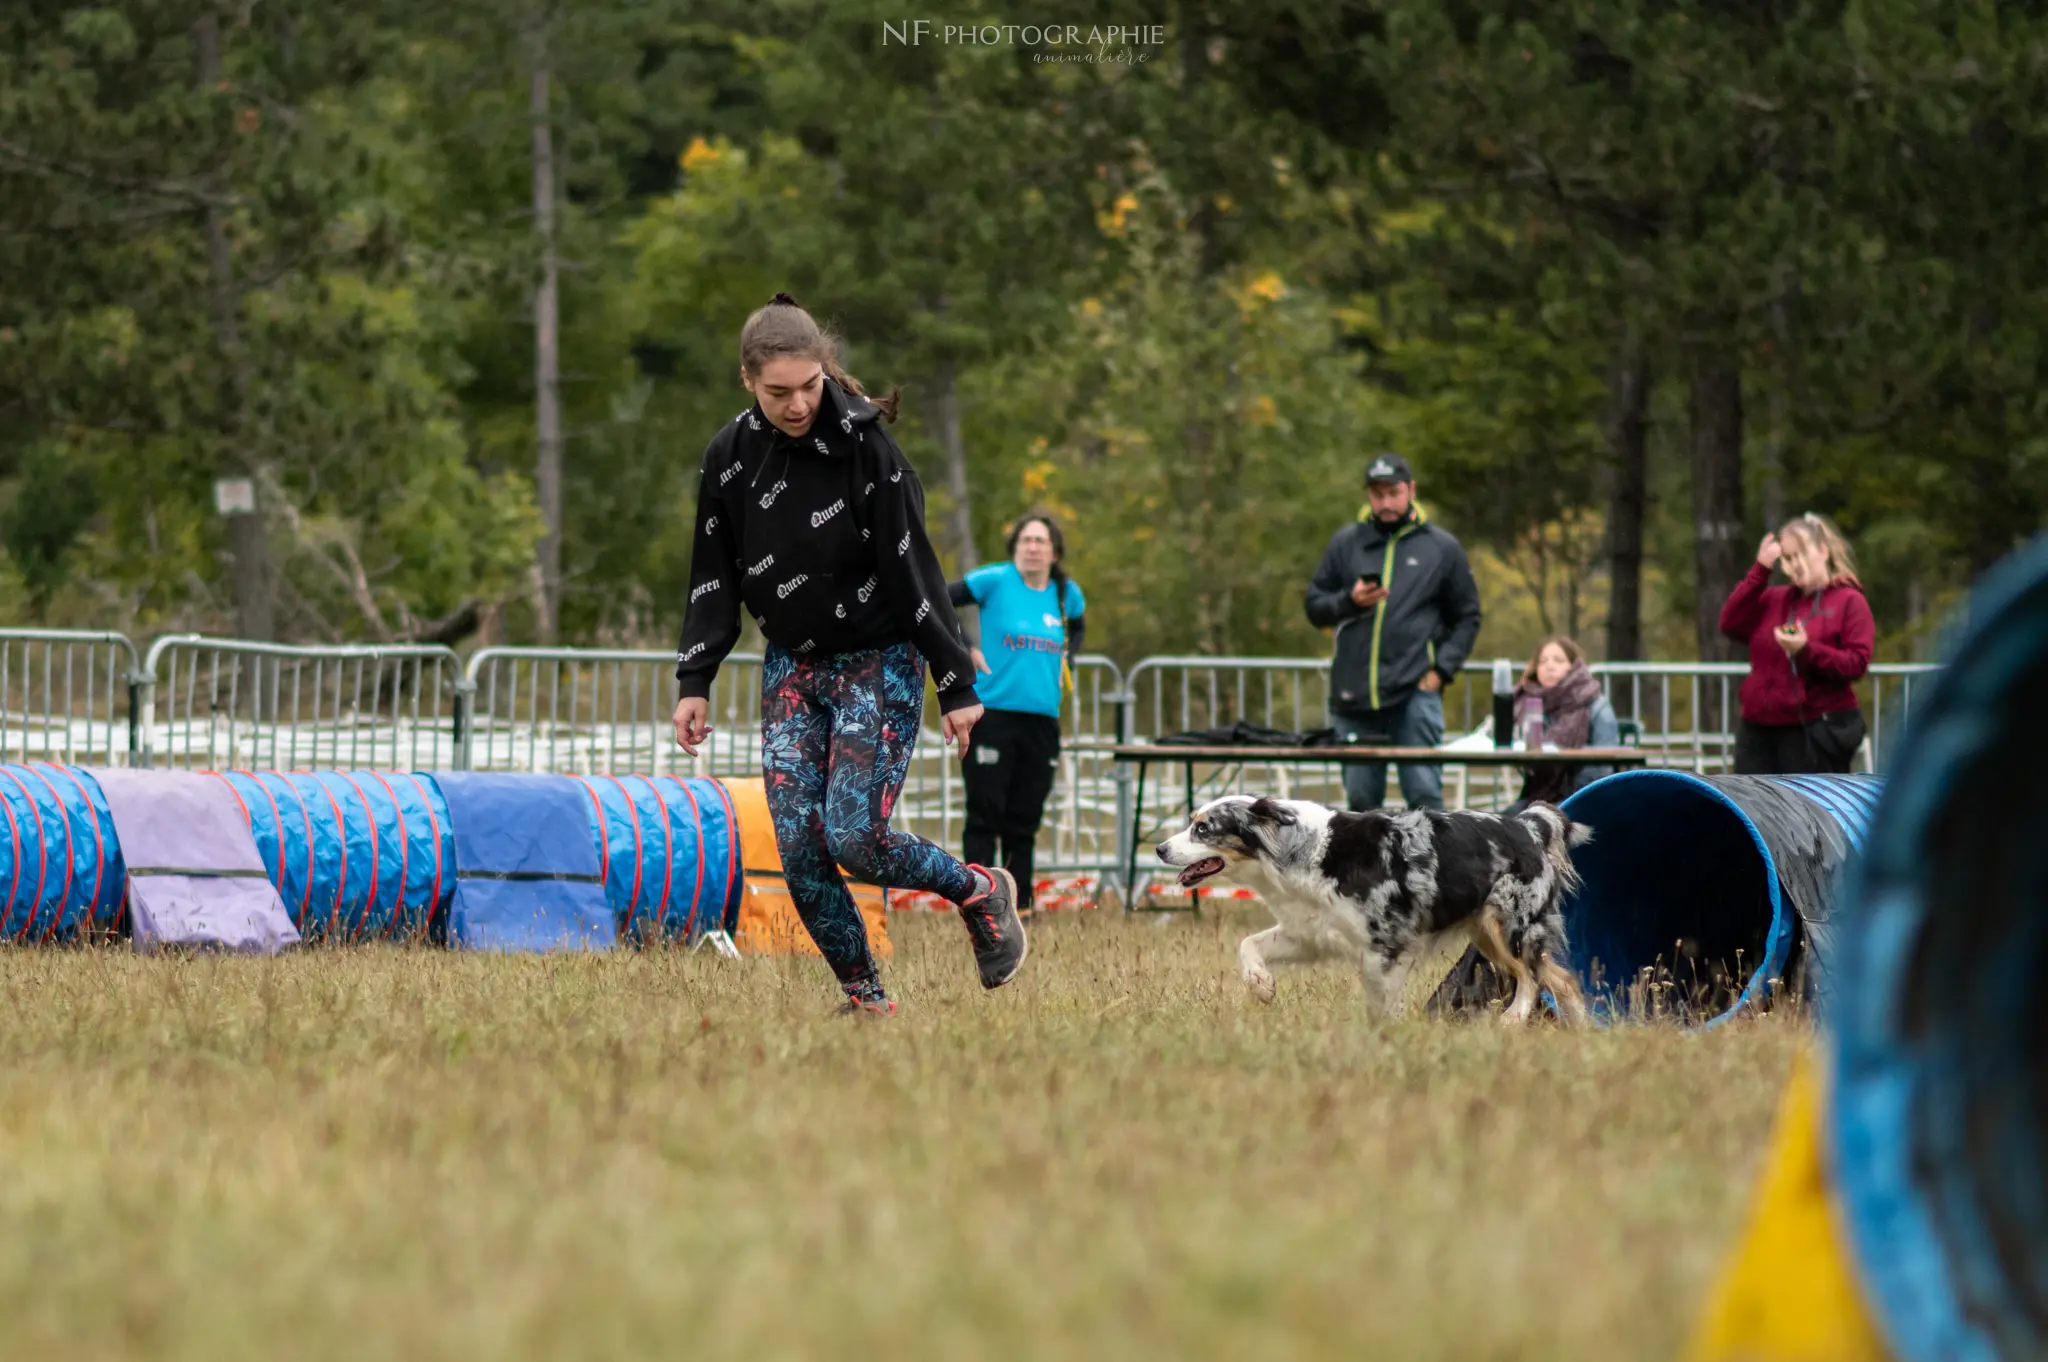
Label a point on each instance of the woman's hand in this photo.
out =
(1791, 637)
(693, 723)
(957, 725)
(980, 662)
(1768, 552)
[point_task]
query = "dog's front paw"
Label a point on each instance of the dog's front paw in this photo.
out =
(1260, 982)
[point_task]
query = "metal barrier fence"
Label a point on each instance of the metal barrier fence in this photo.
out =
(1688, 709)
(224, 704)
(608, 712)
(1666, 701)
(67, 696)
(601, 711)
(203, 702)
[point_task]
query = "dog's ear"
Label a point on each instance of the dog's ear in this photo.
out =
(1268, 811)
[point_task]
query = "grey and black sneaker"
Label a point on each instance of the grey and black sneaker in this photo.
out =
(997, 931)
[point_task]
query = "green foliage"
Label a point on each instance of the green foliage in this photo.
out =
(1217, 443)
(1179, 299)
(53, 502)
(1828, 192)
(333, 386)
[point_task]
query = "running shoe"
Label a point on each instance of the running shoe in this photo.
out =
(993, 924)
(867, 1000)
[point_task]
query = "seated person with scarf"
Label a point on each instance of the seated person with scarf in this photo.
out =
(1575, 714)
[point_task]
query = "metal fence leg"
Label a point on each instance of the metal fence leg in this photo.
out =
(141, 720)
(1121, 774)
(465, 698)
(134, 721)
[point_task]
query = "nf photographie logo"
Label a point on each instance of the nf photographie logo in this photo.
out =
(1123, 43)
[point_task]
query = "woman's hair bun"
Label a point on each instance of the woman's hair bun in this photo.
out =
(785, 300)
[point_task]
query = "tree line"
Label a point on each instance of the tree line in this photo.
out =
(455, 288)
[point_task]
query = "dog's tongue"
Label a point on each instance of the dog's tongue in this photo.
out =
(1201, 870)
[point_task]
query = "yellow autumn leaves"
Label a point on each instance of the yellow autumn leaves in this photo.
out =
(701, 154)
(1113, 220)
(1251, 297)
(1263, 288)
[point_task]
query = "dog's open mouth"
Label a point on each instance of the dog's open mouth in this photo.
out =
(1192, 875)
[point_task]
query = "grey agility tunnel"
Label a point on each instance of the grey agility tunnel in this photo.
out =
(1722, 885)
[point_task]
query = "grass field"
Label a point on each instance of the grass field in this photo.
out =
(403, 1154)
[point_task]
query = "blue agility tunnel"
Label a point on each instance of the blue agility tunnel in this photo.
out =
(355, 855)
(1723, 886)
(671, 855)
(529, 876)
(1938, 1004)
(378, 855)
(60, 862)
(579, 862)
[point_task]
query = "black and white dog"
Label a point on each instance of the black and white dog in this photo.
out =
(1388, 889)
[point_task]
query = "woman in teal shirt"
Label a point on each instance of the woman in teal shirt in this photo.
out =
(1031, 630)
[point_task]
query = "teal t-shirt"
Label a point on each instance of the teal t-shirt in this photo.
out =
(1021, 638)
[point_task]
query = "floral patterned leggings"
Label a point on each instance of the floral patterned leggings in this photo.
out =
(837, 732)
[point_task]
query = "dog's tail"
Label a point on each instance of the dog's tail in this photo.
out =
(1556, 835)
(1544, 946)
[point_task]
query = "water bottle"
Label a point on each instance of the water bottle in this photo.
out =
(1529, 724)
(1503, 703)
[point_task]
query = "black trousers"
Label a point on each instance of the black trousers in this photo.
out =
(1011, 761)
(1782, 750)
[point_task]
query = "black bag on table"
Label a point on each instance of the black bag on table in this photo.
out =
(1244, 733)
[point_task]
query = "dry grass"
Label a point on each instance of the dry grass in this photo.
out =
(401, 1154)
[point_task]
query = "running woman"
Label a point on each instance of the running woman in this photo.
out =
(809, 513)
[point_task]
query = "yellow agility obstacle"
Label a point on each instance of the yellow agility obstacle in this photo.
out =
(1789, 1294)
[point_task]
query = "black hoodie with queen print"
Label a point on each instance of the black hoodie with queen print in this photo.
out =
(822, 537)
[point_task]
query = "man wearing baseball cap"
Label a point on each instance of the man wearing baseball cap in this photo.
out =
(1400, 595)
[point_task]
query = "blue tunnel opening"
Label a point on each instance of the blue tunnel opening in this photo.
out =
(1679, 881)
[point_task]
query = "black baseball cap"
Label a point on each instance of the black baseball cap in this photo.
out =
(1388, 467)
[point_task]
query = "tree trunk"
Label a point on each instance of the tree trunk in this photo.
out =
(248, 545)
(1774, 449)
(547, 375)
(1628, 426)
(1720, 555)
(946, 415)
(1194, 68)
(2004, 515)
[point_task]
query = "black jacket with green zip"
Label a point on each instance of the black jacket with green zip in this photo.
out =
(1429, 619)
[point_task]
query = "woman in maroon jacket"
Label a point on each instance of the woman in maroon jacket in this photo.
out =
(1808, 644)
